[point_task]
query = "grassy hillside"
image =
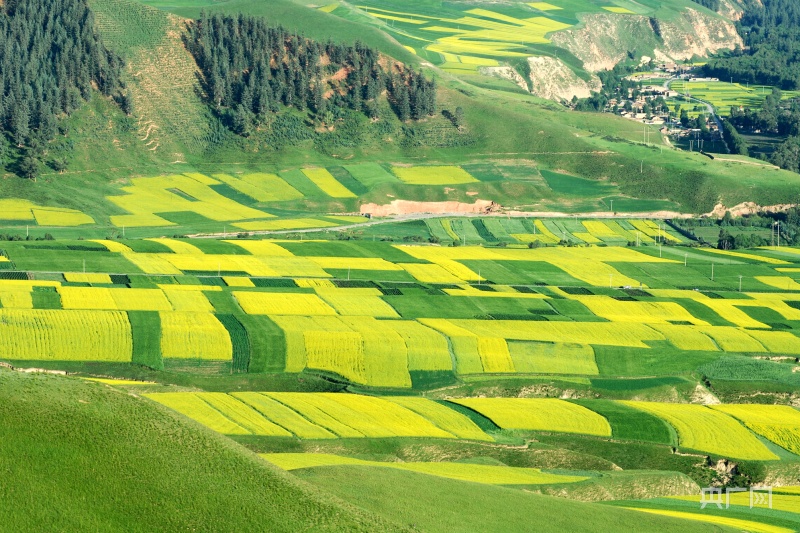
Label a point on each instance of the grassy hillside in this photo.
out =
(434, 504)
(84, 457)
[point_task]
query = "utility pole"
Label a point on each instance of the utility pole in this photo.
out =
(685, 257)
(740, 283)
(612, 207)
(610, 281)
(712, 271)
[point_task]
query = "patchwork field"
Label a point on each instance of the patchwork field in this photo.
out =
(326, 416)
(395, 316)
(459, 38)
(319, 198)
(723, 95)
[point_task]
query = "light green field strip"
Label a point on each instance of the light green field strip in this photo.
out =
(433, 175)
(120, 382)
(539, 414)
(553, 358)
(743, 255)
(742, 525)
(284, 224)
(487, 474)
(704, 429)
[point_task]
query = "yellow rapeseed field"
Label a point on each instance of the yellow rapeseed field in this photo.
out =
(442, 416)
(191, 405)
(79, 277)
(327, 183)
(242, 414)
(54, 216)
(190, 301)
(708, 430)
(778, 423)
(357, 302)
(283, 416)
(194, 336)
(112, 246)
(178, 246)
(539, 414)
(487, 474)
(426, 348)
(277, 303)
(63, 335)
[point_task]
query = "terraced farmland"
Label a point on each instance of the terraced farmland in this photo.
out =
(409, 315)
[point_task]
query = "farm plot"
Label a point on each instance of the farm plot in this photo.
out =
(433, 175)
(350, 415)
(57, 335)
(778, 423)
(14, 210)
(327, 183)
(553, 358)
(261, 187)
(361, 349)
(147, 197)
(194, 336)
(704, 429)
(539, 414)
(488, 474)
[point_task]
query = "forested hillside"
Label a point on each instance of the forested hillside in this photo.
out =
(771, 33)
(51, 58)
(253, 69)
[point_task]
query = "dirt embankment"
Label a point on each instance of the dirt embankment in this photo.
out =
(603, 40)
(549, 78)
(747, 209)
(406, 207)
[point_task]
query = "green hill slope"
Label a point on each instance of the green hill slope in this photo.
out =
(76, 456)
(434, 504)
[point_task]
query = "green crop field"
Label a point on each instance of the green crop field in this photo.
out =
(724, 95)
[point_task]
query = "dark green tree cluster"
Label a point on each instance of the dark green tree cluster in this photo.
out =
(774, 116)
(252, 70)
(50, 59)
(771, 33)
(734, 141)
(731, 235)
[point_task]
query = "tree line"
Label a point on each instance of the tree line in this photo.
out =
(253, 70)
(51, 58)
(770, 30)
